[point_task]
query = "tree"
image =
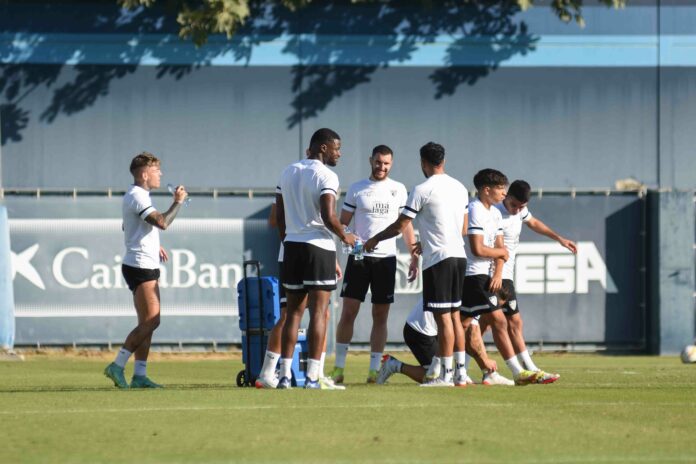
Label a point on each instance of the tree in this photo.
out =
(200, 18)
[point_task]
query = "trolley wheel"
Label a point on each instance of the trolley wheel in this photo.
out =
(241, 379)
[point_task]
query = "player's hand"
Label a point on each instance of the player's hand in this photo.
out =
(569, 244)
(349, 239)
(496, 284)
(490, 365)
(413, 269)
(370, 245)
(180, 194)
(164, 257)
(417, 249)
(339, 271)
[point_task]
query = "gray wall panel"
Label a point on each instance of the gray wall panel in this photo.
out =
(216, 127)
(556, 128)
(677, 134)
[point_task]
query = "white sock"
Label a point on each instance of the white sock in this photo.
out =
(140, 368)
(321, 364)
(269, 364)
(447, 371)
(286, 368)
(526, 360)
(122, 357)
(313, 369)
(460, 361)
(434, 368)
(375, 359)
(514, 365)
(341, 352)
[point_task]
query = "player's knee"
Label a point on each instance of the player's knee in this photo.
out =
(380, 318)
(153, 322)
(514, 323)
(499, 322)
(466, 323)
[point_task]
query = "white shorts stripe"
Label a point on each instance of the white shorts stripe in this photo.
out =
(475, 308)
(319, 282)
(293, 287)
(456, 304)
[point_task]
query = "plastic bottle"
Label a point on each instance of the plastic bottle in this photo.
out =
(358, 250)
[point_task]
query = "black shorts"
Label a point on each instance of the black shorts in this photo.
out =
(477, 299)
(423, 347)
(379, 274)
(308, 267)
(510, 307)
(281, 289)
(442, 285)
(135, 276)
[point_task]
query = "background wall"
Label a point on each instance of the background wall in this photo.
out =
(562, 107)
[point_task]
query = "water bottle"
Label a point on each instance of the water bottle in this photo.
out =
(172, 189)
(347, 249)
(358, 250)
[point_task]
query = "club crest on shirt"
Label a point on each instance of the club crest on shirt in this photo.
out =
(394, 192)
(512, 304)
(494, 300)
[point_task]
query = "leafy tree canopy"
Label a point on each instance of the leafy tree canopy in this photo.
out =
(200, 18)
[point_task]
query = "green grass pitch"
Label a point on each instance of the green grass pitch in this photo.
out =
(604, 409)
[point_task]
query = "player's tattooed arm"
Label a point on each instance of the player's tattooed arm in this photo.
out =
(164, 220)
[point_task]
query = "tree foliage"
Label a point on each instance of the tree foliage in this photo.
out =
(200, 18)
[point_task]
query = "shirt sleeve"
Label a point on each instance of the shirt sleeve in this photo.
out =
(475, 219)
(526, 214)
(141, 204)
(414, 203)
(350, 203)
(328, 184)
(403, 198)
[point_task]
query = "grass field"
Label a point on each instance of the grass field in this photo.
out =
(603, 409)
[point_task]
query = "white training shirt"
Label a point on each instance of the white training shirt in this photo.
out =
(486, 222)
(375, 206)
(512, 228)
(141, 239)
(439, 204)
(301, 185)
(424, 322)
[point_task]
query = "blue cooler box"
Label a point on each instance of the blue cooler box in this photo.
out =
(259, 311)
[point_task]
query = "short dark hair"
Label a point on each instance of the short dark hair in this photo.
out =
(503, 293)
(142, 160)
(520, 190)
(489, 178)
(433, 153)
(382, 150)
(321, 137)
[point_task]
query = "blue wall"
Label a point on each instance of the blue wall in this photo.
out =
(557, 105)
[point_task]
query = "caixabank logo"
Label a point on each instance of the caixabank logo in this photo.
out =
(72, 267)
